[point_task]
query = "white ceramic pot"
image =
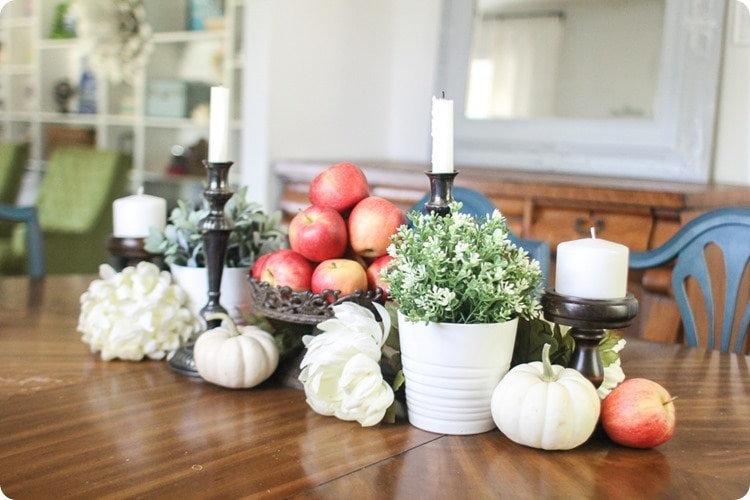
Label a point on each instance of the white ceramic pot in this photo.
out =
(235, 291)
(451, 372)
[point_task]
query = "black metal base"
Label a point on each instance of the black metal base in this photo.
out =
(125, 252)
(589, 320)
(183, 362)
(441, 193)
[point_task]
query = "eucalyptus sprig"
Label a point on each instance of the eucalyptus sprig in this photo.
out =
(255, 233)
(458, 269)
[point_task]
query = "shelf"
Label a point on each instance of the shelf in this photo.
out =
(68, 119)
(17, 22)
(183, 123)
(19, 116)
(33, 63)
(188, 36)
(62, 44)
(17, 69)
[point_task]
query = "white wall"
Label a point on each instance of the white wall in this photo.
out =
(732, 158)
(339, 80)
(336, 80)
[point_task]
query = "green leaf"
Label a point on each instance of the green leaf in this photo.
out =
(606, 346)
(531, 337)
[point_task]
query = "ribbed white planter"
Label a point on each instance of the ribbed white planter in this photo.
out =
(451, 372)
(235, 291)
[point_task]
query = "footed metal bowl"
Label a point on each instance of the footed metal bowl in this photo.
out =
(304, 308)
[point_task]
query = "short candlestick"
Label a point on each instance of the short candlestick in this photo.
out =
(589, 320)
(441, 192)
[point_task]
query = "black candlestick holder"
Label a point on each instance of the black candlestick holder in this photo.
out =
(589, 320)
(441, 192)
(216, 229)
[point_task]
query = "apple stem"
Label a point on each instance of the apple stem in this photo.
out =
(548, 374)
(227, 319)
(665, 403)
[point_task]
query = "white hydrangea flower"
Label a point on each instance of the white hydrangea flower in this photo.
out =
(341, 371)
(136, 313)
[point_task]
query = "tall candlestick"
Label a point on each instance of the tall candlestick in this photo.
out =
(592, 268)
(218, 133)
(134, 215)
(442, 135)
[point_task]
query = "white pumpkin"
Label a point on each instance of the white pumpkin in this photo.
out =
(545, 406)
(235, 357)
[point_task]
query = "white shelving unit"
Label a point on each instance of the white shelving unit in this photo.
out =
(31, 64)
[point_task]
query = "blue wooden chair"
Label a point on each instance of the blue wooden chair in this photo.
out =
(34, 238)
(478, 205)
(693, 251)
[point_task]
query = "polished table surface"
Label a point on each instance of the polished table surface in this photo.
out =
(75, 426)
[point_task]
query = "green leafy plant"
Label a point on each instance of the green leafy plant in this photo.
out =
(255, 233)
(456, 269)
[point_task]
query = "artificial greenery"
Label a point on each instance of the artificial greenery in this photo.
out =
(457, 269)
(534, 333)
(255, 233)
(531, 337)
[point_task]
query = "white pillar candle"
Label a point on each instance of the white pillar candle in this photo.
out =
(218, 132)
(592, 268)
(442, 135)
(133, 216)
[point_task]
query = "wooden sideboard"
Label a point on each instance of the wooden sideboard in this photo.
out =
(554, 207)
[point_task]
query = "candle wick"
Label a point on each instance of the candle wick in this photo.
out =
(593, 232)
(443, 92)
(140, 190)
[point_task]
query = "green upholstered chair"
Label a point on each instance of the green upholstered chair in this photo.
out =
(75, 211)
(13, 158)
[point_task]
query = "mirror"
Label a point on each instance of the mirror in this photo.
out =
(594, 59)
(623, 88)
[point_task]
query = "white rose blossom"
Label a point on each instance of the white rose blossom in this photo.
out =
(341, 370)
(613, 374)
(136, 313)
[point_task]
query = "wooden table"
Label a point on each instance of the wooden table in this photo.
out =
(75, 426)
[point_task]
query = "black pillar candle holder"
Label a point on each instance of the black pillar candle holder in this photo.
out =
(216, 229)
(441, 192)
(125, 252)
(589, 319)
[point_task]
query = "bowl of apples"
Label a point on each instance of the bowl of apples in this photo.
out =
(337, 250)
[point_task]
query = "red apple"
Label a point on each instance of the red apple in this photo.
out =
(287, 268)
(344, 275)
(258, 265)
(318, 233)
(374, 274)
(371, 224)
(340, 187)
(639, 413)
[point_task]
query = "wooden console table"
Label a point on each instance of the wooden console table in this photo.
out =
(554, 207)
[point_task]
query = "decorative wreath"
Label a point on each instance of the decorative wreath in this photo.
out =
(115, 35)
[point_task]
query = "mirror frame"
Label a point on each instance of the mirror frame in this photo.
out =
(676, 145)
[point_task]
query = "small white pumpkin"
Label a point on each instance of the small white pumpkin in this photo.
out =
(235, 357)
(545, 406)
